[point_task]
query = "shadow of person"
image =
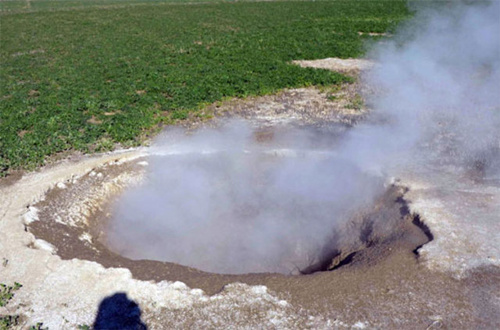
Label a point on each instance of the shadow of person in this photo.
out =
(119, 312)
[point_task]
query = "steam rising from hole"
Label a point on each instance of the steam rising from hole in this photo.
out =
(437, 94)
(223, 202)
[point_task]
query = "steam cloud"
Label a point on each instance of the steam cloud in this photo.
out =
(221, 201)
(438, 90)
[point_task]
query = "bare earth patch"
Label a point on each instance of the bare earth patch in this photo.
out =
(302, 106)
(348, 66)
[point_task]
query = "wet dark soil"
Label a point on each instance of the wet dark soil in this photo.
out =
(10, 178)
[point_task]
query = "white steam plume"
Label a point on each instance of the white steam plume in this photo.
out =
(224, 204)
(438, 86)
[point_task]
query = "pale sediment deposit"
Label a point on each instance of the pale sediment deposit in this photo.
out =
(464, 215)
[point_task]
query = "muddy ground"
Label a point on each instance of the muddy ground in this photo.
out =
(401, 264)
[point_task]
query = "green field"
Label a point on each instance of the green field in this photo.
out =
(58, 5)
(85, 75)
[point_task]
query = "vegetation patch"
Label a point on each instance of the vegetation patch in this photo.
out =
(90, 78)
(356, 103)
(6, 294)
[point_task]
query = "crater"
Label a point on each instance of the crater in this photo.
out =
(78, 217)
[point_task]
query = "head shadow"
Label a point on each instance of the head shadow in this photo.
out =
(119, 312)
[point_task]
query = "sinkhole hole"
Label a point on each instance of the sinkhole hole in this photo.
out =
(228, 202)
